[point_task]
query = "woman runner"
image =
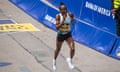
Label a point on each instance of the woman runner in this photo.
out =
(63, 21)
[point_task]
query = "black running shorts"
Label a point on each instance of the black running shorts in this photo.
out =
(61, 37)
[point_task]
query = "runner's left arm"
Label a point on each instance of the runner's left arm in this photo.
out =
(72, 16)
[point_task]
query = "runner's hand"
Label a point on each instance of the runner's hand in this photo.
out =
(113, 11)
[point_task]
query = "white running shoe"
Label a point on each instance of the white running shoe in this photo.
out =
(70, 63)
(54, 64)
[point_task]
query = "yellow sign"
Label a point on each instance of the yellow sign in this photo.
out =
(17, 27)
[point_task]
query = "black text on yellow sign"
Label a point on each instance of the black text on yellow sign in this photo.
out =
(65, 28)
(17, 27)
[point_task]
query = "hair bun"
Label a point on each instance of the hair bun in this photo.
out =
(61, 3)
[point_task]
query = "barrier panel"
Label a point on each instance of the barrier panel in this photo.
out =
(48, 18)
(73, 6)
(38, 10)
(93, 27)
(35, 8)
(98, 13)
(93, 37)
(116, 50)
(26, 4)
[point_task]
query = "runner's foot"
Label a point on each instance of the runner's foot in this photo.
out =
(54, 64)
(70, 63)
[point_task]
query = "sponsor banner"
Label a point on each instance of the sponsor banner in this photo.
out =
(98, 13)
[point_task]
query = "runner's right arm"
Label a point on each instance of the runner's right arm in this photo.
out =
(58, 25)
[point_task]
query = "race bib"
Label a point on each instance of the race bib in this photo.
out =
(65, 28)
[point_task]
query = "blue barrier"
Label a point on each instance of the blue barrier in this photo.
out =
(26, 4)
(116, 50)
(98, 13)
(73, 6)
(35, 8)
(94, 37)
(48, 18)
(38, 10)
(91, 27)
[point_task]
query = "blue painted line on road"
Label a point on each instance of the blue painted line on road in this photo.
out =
(24, 69)
(2, 64)
(6, 21)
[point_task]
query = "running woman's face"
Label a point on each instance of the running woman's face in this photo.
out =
(63, 9)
